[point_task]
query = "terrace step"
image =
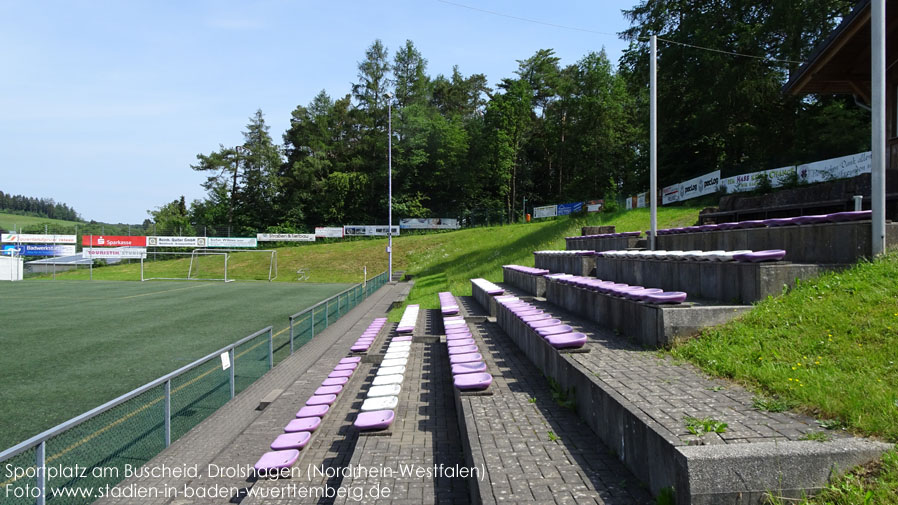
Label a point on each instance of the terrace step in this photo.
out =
(638, 402)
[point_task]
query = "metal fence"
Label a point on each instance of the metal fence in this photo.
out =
(79, 460)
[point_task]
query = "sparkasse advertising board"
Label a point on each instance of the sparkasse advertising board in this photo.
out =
(113, 241)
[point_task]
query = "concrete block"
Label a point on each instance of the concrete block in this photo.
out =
(529, 283)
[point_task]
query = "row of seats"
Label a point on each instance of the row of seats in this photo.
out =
(526, 270)
(626, 234)
(369, 335)
(297, 433)
(747, 256)
(409, 319)
(378, 409)
(448, 305)
(836, 217)
(637, 293)
(556, 333)
(468, 368)
(487, 286)
(566, 253)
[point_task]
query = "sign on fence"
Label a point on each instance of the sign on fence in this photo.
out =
(30, 238)
(113, 241)
(176, 242)
(231, 242)
(836, 168)
(751, 181)
(640, 200)
(39, 250)
(432, 223)
(670, 194)
(701, 185)
(325, 232)
(119, 253)
(545, 211)
(368, 231)
(285, 237)
(595, 205)
(566, 209)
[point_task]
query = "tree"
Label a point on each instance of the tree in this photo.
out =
(172, 218)
(409, 71)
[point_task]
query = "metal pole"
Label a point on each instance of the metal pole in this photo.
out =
(390, 182)
(291, 334)
(524, 210)
(270, 349)
(167, 413)
(312, 319)
(653, 139)
(878, 120)
(233, 366)
(40, 458)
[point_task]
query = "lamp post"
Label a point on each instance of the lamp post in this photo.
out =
(390, 185)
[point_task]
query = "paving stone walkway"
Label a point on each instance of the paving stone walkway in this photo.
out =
(533, 449)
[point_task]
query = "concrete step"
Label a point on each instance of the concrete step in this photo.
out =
(638, 402)
(531, 449)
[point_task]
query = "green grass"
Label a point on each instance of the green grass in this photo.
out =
(69, 346)
(10, 221)
(828, 349)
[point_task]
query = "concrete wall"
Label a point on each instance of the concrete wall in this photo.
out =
(816, 243)
(529, 283)
(601, 244)
(650, 325)
(486, 301)
(596, 230)
(566, 263)
(730, 282)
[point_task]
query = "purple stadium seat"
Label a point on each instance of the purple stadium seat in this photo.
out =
(346, 366)
(303, 424)
(778, 221)
(340, 373)
(374, 420)
(313, 411)
(360, 347)
(328, 399)
(758, 256)
(275, 460)
(401, 339)
(353, 359)
(536, 317)
(473, 381)
(542, 323)
(666, 297)
(649, 291)
(336, 381)
(460, 342)
(553, 330)
(286, 441)
(465, 368)
(465, 358)
(566, 340)
(328, 390)
(741, 225)
(457, 329)
(857, 215)
(459, 336)
(464, 349)
(815, 219)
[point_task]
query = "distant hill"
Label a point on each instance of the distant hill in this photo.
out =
(39, 207)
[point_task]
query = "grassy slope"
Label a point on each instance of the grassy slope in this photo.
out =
(8, 221)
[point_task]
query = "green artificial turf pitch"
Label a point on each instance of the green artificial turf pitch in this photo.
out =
(69, 346)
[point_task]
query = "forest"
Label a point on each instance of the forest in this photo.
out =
(550, 133)
(38, 207)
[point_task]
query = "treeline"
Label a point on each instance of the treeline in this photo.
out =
(37, 207)
(550, 133)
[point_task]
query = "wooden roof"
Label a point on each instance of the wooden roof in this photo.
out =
(841, 63)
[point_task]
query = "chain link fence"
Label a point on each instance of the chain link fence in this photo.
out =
(81, 459)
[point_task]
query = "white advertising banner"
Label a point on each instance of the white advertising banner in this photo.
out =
(231, 242)
(836, 168)
(699, 186)
(177, 241)
(118, 253)
(30, 238)
(329, 232)
(593, 207)
(285, 237)
(751, 181)
(629, 203)
(670, 194)
(546, 211)
(368, 231)
(432, 223)
(640, 200)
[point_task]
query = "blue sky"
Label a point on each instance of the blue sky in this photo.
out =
(105, 104)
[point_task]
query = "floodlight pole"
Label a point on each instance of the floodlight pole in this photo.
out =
(653, 139)
(390, 183)
(878, 127)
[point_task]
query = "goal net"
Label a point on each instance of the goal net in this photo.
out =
(211, 265)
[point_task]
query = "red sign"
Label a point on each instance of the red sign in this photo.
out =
(113, 241)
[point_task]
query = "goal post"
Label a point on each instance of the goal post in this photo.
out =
(248, 264)
(185, 266)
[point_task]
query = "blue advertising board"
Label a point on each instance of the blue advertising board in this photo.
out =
(38, 250)
(565, 209)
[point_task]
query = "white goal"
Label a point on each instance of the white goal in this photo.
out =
(211, 265)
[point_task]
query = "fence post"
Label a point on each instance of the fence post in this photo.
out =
(167, 413)
(40, 458)
(233, 366)
(327, 304)
(339, 307)
(312, 319)
(270, 348)
(291, 334)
